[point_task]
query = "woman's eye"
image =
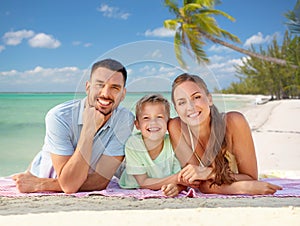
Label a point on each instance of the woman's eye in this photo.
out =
(180, 103)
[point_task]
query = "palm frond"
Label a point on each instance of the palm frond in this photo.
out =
(177, 48)
(229, 36)
(206, 24)
(171, 24)
(217, 12)
(202, 3)
(172, 6)
(195, 43)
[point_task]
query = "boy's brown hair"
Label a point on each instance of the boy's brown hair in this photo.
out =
(153, 99)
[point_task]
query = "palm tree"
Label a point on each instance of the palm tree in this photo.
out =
(294, 19)
(194, 23)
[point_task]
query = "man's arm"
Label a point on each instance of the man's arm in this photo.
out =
(26, 182)
(72, 171)
(106, 168)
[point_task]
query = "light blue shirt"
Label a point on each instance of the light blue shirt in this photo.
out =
(63, 128)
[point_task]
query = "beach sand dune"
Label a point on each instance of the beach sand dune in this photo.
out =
(276, 133)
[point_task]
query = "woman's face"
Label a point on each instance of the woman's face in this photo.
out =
(192, 103)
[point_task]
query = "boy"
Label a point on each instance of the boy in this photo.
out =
(150, 160)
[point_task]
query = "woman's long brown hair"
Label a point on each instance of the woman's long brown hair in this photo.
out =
(215, 151)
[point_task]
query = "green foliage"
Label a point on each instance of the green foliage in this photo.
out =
(194, 22)
(293, 17)
(262, 77)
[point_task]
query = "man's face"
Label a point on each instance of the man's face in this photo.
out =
(105, 90)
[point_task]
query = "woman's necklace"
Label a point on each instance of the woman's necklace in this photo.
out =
(193, 147)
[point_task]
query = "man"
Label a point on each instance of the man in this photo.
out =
(84, 142)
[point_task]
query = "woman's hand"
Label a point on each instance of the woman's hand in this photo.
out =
(250, 187)
(255, 187)
(193, 173)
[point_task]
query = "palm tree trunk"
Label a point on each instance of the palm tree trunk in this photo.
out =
(247, 52)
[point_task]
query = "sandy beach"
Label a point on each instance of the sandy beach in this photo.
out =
(276, 132)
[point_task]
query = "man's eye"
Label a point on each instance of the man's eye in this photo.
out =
(99, 85)
(197, 97)
(116, 88)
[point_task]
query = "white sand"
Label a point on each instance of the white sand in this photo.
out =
(276, 133)
(198, 216)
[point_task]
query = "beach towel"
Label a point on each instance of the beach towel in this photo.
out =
(291, 188)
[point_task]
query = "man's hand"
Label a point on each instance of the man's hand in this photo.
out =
(26, 183)
(93, 119)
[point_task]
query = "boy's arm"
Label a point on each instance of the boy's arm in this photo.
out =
(155, 183)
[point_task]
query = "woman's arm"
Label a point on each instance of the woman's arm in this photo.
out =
(241, 145)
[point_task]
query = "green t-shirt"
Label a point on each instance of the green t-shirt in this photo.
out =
(138, 161)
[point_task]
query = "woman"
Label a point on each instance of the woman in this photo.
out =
(216, 150)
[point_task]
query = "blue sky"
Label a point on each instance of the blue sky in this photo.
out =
(50, 45)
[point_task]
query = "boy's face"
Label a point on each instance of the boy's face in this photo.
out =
(152, 121)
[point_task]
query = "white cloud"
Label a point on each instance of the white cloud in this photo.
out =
(16, 37)
(43, 40)
(258, 39)
(216, 58)
(159, 32)
(225, 71)
(79, 43)
(76, 43)
(43, 79)
(219, 49)
(2, 48)
(113, 12)
(87, 44)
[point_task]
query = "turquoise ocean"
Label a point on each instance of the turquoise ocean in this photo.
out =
(22, 127)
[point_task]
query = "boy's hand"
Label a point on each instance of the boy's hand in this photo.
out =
(171, 190)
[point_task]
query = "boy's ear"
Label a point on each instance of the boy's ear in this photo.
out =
(137, 125)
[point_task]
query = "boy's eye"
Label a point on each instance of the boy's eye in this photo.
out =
(197, 97)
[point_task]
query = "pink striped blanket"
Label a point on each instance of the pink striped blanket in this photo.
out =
(291, 188)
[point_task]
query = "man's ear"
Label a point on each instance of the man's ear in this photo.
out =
(123, 94)
(137, 125)
(87, 87)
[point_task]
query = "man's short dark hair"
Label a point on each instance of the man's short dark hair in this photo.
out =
(111, 65)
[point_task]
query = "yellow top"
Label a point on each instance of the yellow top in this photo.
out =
(232, 162)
